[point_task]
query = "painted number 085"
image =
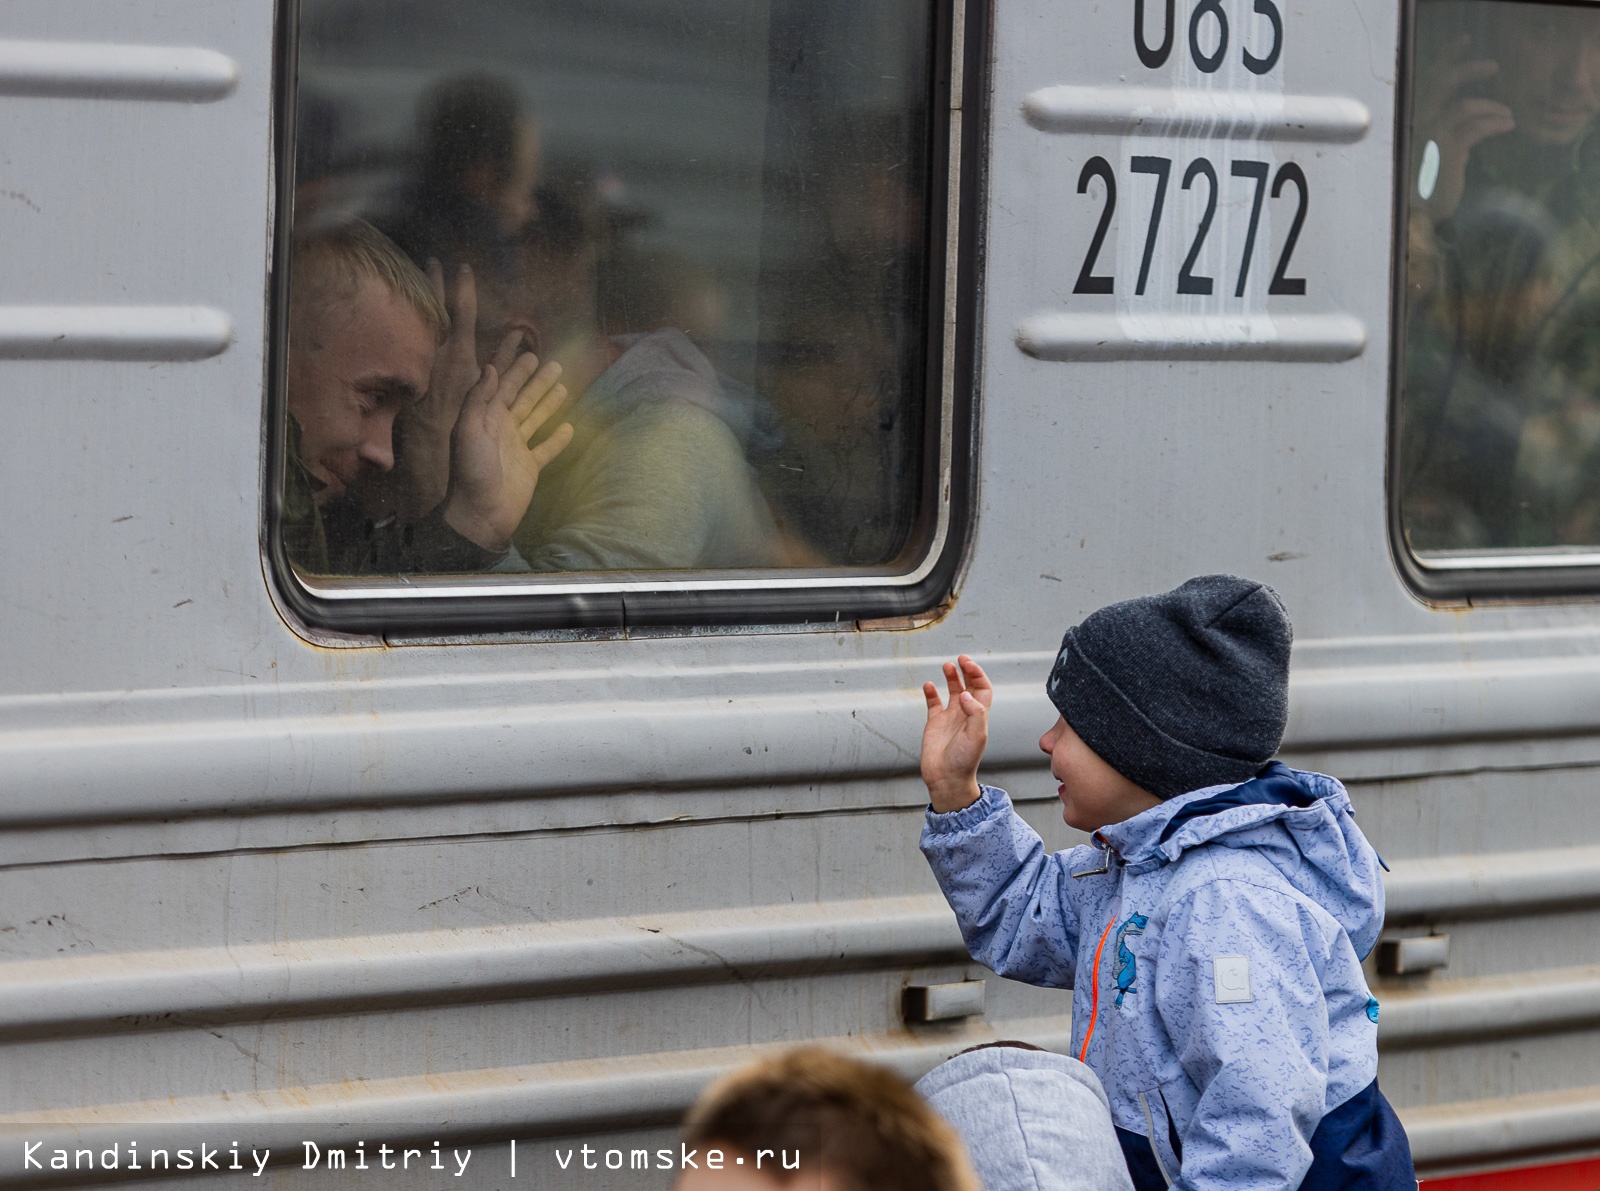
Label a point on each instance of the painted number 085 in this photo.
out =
(1155, 58)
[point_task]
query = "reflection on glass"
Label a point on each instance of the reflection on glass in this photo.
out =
(607, 286)
(1500, 413)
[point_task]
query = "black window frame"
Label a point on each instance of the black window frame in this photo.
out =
(589, 602)
(1491, 575)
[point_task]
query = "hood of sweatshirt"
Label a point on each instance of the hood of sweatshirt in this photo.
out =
(665, 366)
(1301, 822)
(1031, 1120)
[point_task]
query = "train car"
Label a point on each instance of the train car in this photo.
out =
(341, 812)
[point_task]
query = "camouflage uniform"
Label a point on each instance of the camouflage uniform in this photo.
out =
(339, 539)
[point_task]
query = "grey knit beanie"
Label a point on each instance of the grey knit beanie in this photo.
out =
(1181, 690)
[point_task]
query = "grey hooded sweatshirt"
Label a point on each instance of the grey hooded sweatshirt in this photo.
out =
(656, 476)
(1031, 1120)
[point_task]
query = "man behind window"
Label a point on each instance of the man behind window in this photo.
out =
(473, 194)
(403, 456)
(659, 475)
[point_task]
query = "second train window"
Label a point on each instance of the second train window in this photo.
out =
(1499, 459)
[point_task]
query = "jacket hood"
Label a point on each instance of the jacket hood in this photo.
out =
(665, 366)
(1301, 822)
(1030, 1120)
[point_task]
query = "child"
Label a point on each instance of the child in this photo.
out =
(1215, 929)
(813, 1120)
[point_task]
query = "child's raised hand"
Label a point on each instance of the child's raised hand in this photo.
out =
(953, 739)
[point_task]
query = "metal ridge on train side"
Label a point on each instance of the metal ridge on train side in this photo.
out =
(1287, 338)
(158, 333)
(162, 988)
(87, 994)
(94, 70)
(1232, 115)
(535, 1100)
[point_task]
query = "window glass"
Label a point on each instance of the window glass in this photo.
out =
(591, 286)
(1499, 436)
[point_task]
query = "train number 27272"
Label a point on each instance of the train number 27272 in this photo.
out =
(1089, 282)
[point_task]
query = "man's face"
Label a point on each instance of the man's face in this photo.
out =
(1550, 71)
(361, 362)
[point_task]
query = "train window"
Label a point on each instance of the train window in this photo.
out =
(613, 309)
(1497, 482)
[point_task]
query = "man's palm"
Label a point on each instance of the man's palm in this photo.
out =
(421, 474)
(494, 470)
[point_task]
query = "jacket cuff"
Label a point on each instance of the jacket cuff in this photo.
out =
(431, 545)
(992, 802)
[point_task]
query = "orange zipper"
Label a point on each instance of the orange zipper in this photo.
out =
(1094, 1001)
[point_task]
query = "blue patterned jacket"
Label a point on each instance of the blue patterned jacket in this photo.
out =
(1230, 1022)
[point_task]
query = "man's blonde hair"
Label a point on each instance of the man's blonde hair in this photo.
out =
(330, 263)
(862, 1123)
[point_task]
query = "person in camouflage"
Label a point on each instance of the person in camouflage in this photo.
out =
(403, 457)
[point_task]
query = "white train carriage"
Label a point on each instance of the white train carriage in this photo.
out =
(948, 322)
